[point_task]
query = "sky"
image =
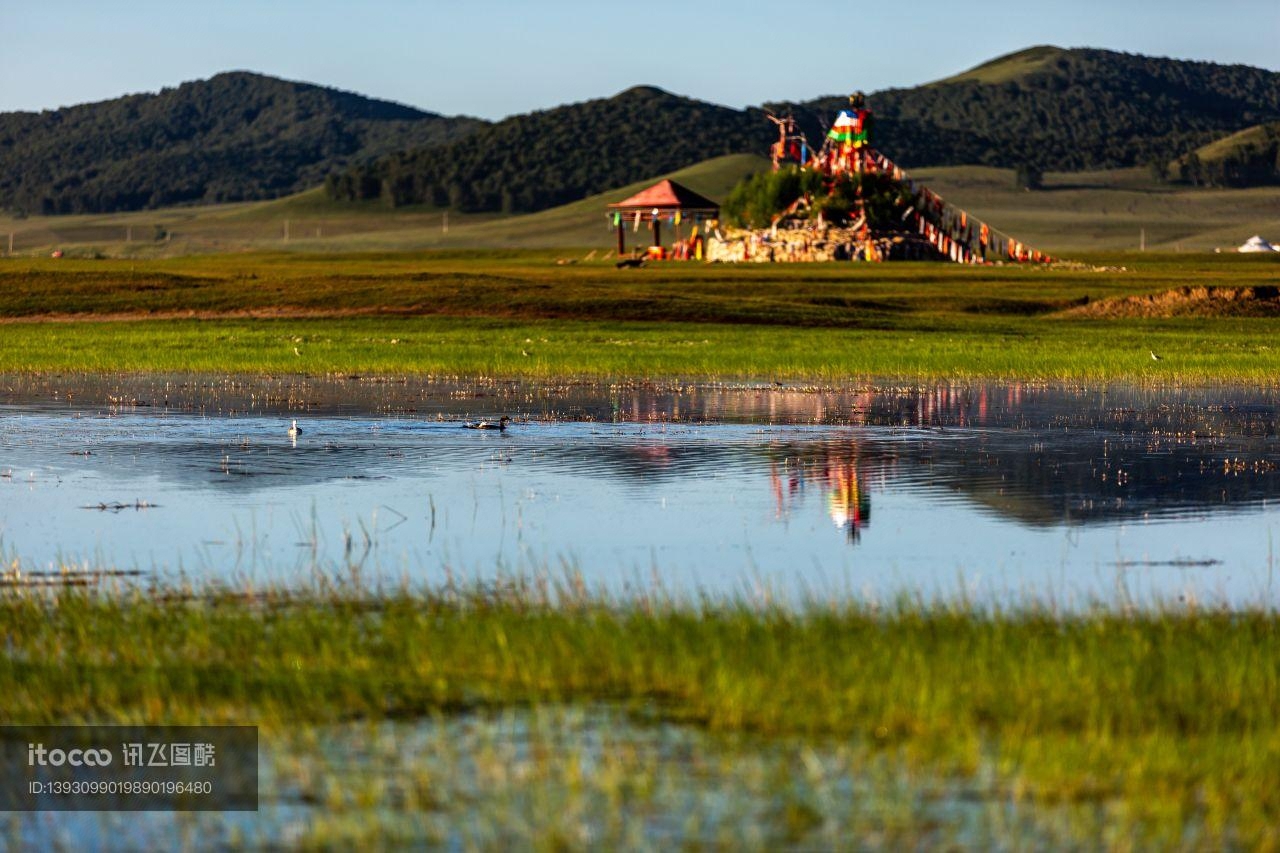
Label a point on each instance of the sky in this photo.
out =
(503, 57)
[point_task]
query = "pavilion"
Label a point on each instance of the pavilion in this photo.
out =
(664, 200)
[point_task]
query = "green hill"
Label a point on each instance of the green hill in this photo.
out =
(1248, 158)
(1009, 68)
(235, 136)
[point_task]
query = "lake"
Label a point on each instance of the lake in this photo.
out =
(999, 493)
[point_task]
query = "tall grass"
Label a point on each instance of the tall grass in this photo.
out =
(1166, 719)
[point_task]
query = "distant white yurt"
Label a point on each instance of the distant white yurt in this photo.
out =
(1257, 244)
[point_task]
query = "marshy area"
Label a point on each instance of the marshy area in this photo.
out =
(719, 583)
(761, 615)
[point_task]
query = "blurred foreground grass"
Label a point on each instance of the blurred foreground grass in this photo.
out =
(1157, 726)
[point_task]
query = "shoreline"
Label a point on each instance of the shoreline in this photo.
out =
(354, 394)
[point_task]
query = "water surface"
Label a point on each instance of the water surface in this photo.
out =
(993, 491)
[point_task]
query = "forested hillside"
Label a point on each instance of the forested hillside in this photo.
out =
(1060, 110)
(233, 137)
(1067, 110)
(547, 158)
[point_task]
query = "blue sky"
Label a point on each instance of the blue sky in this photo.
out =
(502, 57)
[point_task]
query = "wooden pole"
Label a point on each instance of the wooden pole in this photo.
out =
(622, 237)
(657, 232)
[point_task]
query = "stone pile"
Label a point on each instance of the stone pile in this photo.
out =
(809, 242)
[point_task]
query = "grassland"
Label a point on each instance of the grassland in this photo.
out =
(520, 314)
(1075, 212)
(1111, 211)
(1165, 724)
(309, 222)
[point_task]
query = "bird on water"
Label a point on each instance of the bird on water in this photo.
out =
(294, 431)
(500, 425)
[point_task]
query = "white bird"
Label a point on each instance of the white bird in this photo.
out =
(294, 431)
(1155, 357)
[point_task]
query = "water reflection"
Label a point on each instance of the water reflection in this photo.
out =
(708, 482)
(848, 499)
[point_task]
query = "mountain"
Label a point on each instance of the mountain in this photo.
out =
(233, 137)
(1056, 109)
(543, 159)
(1067, 110)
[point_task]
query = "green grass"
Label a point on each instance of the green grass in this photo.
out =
(521, 315)
(1076, 350)
(1165, 722)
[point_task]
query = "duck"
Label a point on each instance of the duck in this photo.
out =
(501, 425)
(294, 431)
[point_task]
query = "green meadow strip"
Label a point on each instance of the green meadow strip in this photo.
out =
(1241, 351)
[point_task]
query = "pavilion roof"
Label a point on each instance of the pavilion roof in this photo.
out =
(667, 195)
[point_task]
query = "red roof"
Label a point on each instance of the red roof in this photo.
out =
(668, 195)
